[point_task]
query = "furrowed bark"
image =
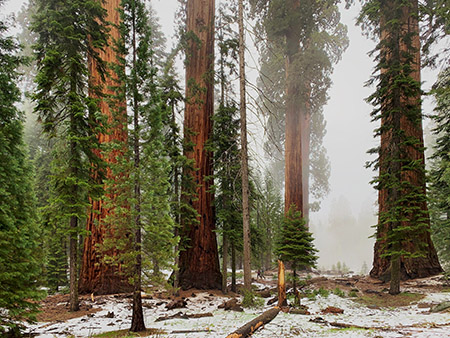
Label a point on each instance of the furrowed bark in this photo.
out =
(96, 276)
(427, 265)
(199, 260)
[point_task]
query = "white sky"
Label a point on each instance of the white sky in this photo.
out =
(349, 130)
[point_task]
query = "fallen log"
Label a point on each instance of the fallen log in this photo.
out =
(181, 315)
(248, 329)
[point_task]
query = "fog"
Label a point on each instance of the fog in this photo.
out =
(343, 224)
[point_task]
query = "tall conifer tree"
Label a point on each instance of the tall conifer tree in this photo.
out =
(301, 41)
(199, 260)
(19, 269)
(403, 248)
(96, 275)
(67, 33)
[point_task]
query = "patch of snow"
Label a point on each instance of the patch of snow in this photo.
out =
(411, 321)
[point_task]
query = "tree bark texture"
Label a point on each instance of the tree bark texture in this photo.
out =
(244, 153)
(248, 329)
(96, 276)
(137, 318)
(73, 265)
(429, 264)
(282, 300)
(225, 248)
(294, 116)
(199, 261)
(306, 146)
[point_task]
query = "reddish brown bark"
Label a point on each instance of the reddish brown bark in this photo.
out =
(295, 110)
(306, 146)
(199, 261)
(96, 276)
(429, 264)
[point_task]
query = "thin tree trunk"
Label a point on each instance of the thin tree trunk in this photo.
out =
(233, 267)
(73, 264)
(137, 319)
(176, 200)
(199, 261)
(96, 276)
(244, 153)
(225, 263)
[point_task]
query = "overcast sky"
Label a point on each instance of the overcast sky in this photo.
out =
(349, 130)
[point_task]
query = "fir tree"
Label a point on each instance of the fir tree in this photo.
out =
(225, 145)
(67, 33)
(144, 192)
(19, 268)
(440, 170)
(295, 245)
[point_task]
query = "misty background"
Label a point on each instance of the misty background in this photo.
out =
(344, 223)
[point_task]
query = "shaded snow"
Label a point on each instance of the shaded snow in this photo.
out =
(410, 321)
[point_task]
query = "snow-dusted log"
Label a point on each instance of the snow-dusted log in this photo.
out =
(248, 329)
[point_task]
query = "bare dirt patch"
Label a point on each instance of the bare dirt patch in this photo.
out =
(56, 308)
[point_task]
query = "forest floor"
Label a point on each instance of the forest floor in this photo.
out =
(338, 306)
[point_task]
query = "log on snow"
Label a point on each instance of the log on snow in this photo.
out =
(248, 329)
(181, 315)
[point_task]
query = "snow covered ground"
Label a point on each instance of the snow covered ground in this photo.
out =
(410, 321)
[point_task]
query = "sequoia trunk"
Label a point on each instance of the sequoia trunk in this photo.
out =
(96, 276)
(294, 115)
(428, 264)
(199, 259)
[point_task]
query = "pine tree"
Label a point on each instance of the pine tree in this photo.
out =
(268, 215)
(403, 247)
(140, 201)
(67, 33)
(19, 268)
(440, 170)
(295, 245)
(225, 144)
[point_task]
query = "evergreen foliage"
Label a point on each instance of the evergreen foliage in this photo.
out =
(268, 213)
(68, 33)
(295, 242)
(322, 43)
(225, 142)
(403, 219)
(440, 170)
(295, 245)
(19, 268)
(144, 192)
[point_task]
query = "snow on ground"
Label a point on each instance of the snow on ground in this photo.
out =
(411, 321)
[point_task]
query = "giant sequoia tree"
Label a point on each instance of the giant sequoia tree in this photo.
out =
(66, 34)
(96, 275)
(304, 39)
(404, 248)
(199, 260)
